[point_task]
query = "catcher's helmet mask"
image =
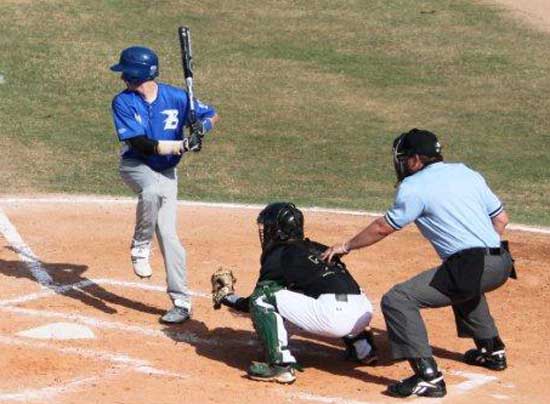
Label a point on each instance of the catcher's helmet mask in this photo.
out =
(415, 142)
(279, 222)
(137, 64)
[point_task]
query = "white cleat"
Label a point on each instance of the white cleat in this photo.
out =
(140, 261)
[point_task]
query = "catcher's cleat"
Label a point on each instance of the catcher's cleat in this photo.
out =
(361, 348)
(264, 372)
(419, 386)
(491, 360)
(176, 315)
(140, 261)
(370, 359)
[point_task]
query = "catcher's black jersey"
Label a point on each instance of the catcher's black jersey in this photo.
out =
(298, 266)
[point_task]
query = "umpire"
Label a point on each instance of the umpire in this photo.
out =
(463, 219)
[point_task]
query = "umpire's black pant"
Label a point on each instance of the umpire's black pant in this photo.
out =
(401, 308)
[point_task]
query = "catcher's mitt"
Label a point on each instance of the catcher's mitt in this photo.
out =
(223, 284)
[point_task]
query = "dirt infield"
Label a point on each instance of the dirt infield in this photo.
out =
(536, 12)
(66, 264)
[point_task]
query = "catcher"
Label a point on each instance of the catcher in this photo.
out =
(297, 286)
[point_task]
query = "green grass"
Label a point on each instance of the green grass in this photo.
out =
(311, 95)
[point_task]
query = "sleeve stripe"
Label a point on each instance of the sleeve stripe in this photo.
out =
(496, 211)
(391, 222)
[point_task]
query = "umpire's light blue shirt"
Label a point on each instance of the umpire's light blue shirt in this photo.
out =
(452, 206)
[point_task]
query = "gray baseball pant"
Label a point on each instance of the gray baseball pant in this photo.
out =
(156, 213)
(401, 308)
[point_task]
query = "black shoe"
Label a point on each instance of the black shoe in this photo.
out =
(352, 343)
(416, 384)
(491, 360)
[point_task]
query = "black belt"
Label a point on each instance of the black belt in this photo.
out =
(493, 251)
(487, 250)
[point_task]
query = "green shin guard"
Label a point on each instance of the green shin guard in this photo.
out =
(266, 320)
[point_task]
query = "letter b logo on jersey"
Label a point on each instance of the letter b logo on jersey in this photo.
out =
(171, 121)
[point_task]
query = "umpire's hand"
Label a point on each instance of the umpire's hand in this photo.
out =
(337, 249)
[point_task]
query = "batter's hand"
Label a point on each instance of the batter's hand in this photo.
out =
(192, 143)
(197, 128)
(337, 249)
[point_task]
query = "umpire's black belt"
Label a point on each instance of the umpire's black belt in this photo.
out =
(490, 251)
(493, 251)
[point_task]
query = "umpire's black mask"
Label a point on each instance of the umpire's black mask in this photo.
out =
(416, 141)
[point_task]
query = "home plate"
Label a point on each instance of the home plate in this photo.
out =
(59, 331)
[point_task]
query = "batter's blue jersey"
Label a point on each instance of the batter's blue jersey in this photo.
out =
(163, 119)
(451, 205)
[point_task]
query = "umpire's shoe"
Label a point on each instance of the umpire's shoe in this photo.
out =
(491, 360)
(489, 354)
(280, 373)
(176, 315)
(426, 381)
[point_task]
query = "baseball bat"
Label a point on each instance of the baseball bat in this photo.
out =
(184, 34)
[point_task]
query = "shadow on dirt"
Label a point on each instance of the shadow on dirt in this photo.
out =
(63, 274)
(238, 348)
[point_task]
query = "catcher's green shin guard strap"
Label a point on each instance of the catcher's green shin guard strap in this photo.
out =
(269, 324)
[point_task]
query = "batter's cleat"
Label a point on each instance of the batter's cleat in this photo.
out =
(284, 374)
(176, 315)
(140, 261)
(419, 386)
(491, 360)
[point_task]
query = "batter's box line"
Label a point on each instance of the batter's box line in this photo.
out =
(474, 380)
(126, 363)
(122, 364)
(52, 290)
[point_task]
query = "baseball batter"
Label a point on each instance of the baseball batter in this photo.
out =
(149, 119)
(295, 285)
(463, 219)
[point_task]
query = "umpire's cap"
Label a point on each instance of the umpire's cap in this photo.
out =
(417, 141)
(137, 64)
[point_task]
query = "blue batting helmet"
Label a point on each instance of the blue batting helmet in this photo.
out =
(137, 64)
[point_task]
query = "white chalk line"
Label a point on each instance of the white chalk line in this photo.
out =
(25, 253)
(474, 380)
(49, 393)
(62, 289)
(226, 205)
(304, 396)
(123, 363)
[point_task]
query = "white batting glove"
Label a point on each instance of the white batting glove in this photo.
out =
(170, 147)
